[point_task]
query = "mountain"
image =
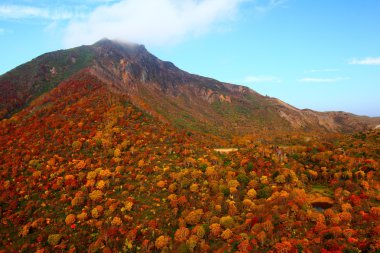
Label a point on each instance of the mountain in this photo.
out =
(172, 95)
(85, 166)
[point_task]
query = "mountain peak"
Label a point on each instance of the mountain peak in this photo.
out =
(108, 42)
(130, 47)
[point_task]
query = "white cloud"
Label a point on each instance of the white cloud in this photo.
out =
(2, 31)
(151, 22)
(321, 80)
(366, 61)
(321, 70)
(262, 79)
(25, 12)
(16, 11)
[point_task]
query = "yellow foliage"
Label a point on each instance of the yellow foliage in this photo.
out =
(196, 174)
(261, 237)
(105, 173)
(172, 197)
(128, 205)
(232, 210)
(192, 242)
(181, 234)
(345, 217)
(264, 180)
(251, 193)
(24, 230)
(335, 220)
(227, 222)
(172, 187)
(116, 130)
(70, 219)
(90, 183)
(199, 231)
(100, 185)
(194, 217)
(141, 163)
(117, 153)
(7, 184)
(233, 183)
(96, 195)
(248, 203)
(76, 145)
(112, 207)
(161, 184)
(76, 201)
(211, 172)
(97, 212)
(54, 239)
(82, 216)
(36, 174)
(69, 178)
(162, 242)
(227, 234)
(91, 175)
(365, 185)
(194, 188)
(280, 179)
(215, 229)
(233, 190)
(51, 162)
(346, 207)
(116, 221)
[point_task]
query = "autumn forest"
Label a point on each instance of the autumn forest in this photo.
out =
(86, 169)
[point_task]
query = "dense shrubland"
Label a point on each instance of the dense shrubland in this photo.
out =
(84, 170)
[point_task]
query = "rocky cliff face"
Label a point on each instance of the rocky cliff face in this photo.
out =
(187, 101)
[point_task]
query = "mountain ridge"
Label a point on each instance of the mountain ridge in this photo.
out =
(174, 96)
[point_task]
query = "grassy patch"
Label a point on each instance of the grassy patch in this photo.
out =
(322, 189)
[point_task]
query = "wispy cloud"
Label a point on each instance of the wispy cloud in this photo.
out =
(101, 1)
(366, 61)
(27, 12)
(17, 11)
(322, 80)
(262, 79)
(321, 70)
(2, 31)
(152, 22)
(265, 6)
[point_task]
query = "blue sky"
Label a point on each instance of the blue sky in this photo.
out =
(323, 55)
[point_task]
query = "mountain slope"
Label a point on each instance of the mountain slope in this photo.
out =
(55, 152)
(82, 169)
(185, 100)
(21, 85)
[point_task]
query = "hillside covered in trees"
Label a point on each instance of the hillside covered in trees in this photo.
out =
(83, 169)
